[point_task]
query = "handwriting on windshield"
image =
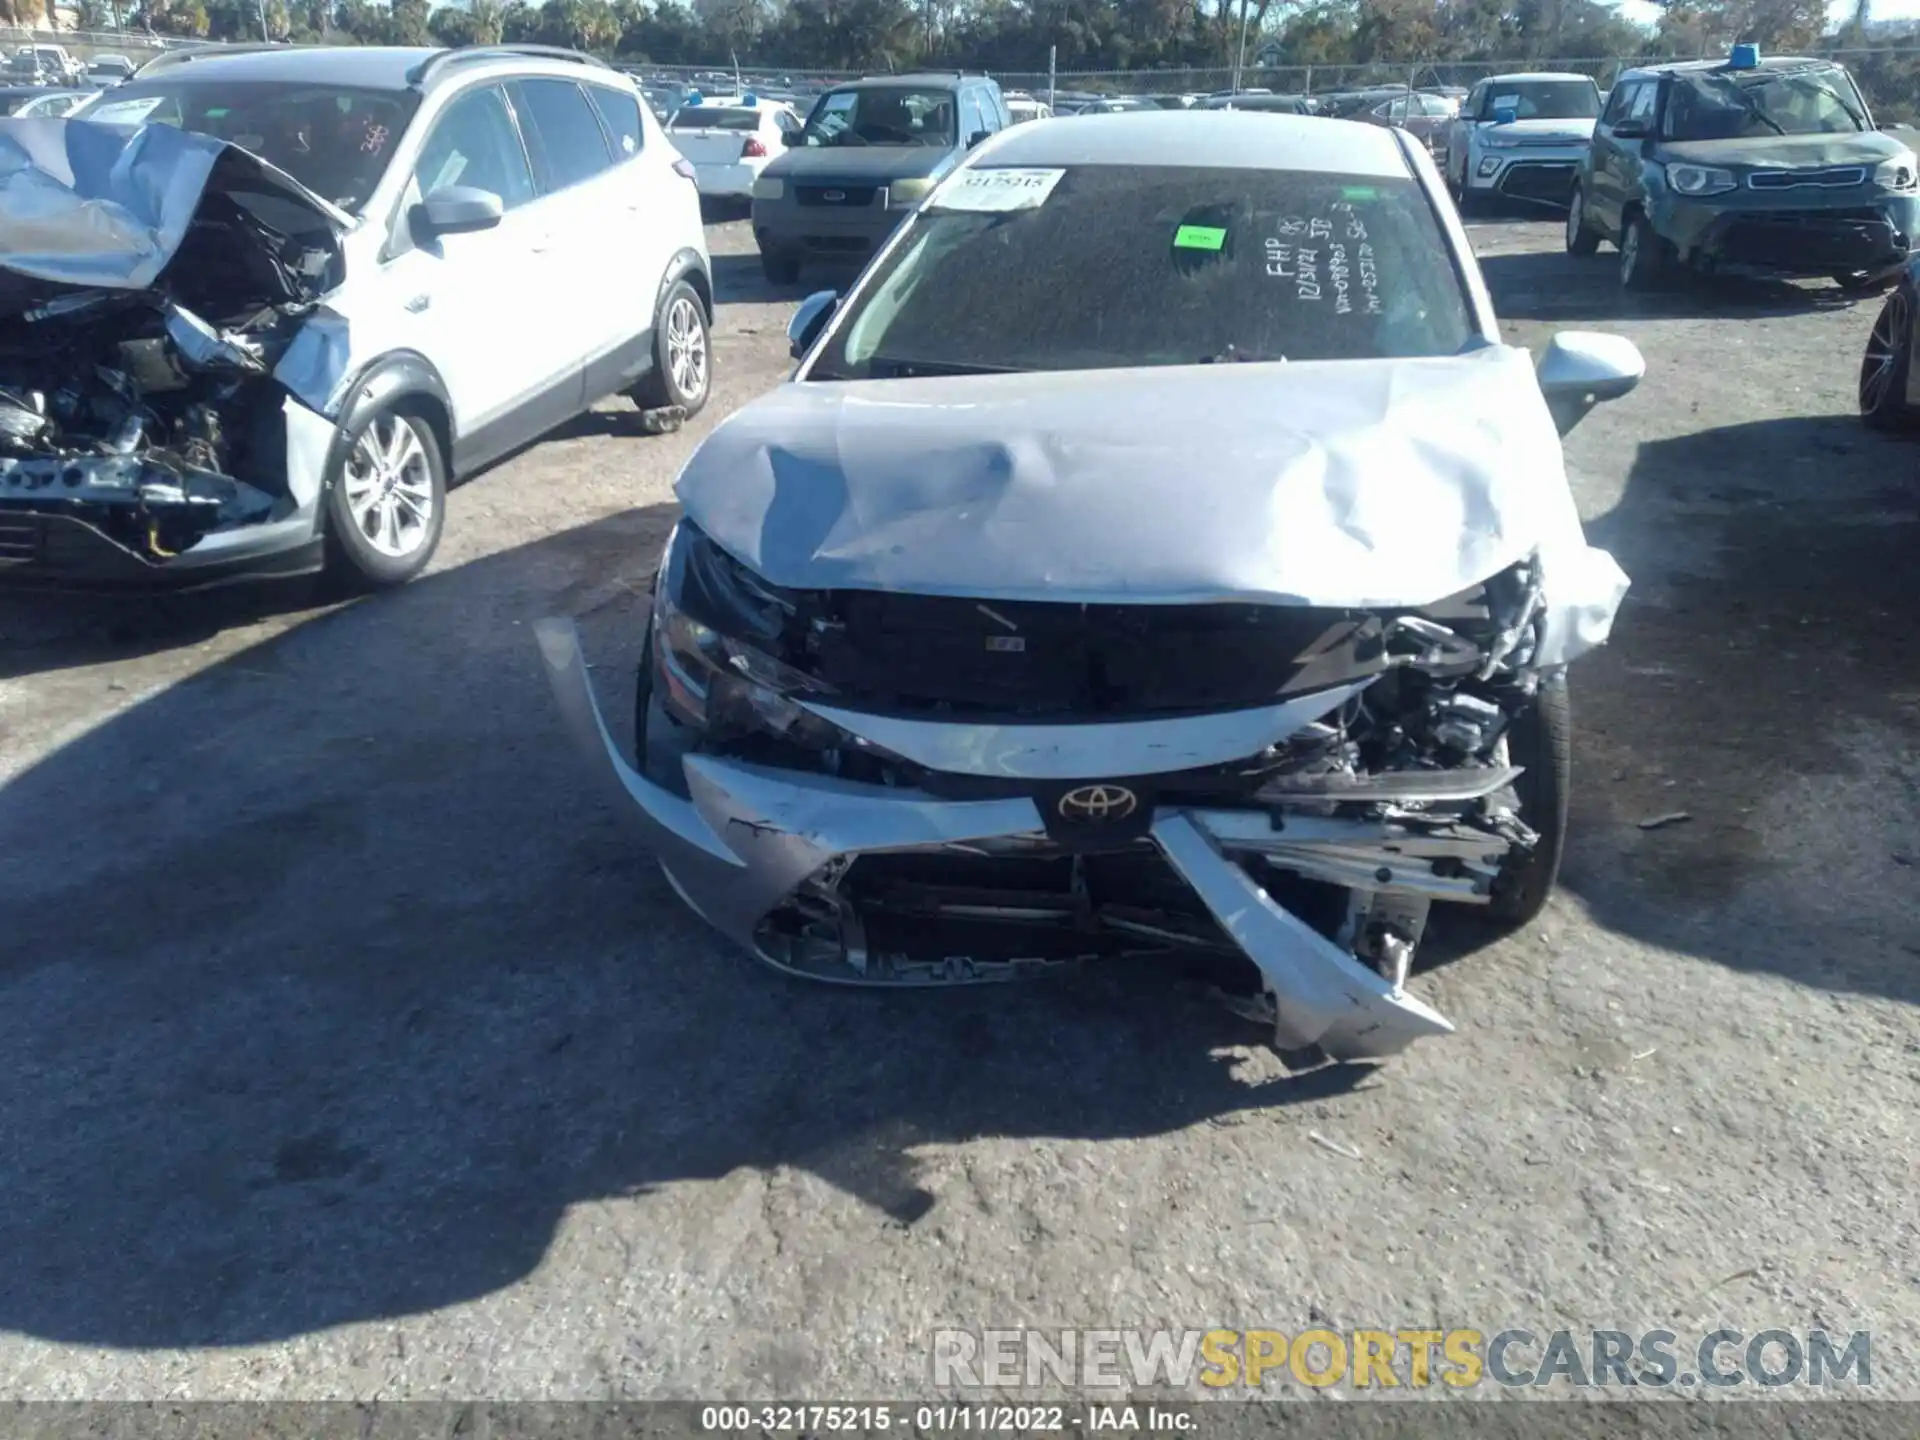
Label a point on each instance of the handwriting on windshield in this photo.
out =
(1322, 251)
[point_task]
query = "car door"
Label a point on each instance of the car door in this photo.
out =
(1615, 158)
(593, 303)
(470, 303)
(652, 226)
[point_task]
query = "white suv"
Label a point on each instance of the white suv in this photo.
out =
(240, 368)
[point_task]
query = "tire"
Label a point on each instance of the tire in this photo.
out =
(779, 267)
(389, 471)
(1885, 364)
(682, 373)
(1582, 239)
(1642, 261)
(1541, 739)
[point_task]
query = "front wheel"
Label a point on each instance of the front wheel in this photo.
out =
(1541, 740)
(1885, 365)
(682, 371)
(1642, 263)
(1581, 238)
(386, 501)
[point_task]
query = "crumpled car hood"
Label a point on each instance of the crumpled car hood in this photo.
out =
(105, 206)
(1867, 148)
(1363, 484)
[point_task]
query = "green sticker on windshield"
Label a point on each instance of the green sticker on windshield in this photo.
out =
(1199, 237)
(1358, 192)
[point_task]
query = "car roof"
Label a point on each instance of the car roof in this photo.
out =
(1521, 75)
(1775, 63)
(371, 67)
(1221, 139)
(931, 80)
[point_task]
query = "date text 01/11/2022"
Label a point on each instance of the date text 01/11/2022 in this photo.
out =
(948, 1419)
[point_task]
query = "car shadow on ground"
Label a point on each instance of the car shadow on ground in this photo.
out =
(1774, 703)
(1559, 288)
(738, 280)
(331, 980)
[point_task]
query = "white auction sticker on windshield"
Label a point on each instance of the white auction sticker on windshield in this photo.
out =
(997, 190)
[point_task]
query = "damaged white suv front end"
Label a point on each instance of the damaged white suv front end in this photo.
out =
(956, 676)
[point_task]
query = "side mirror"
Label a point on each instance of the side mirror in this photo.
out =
(457, 209)
(977, 136)
(1630, 130)
(1583, 368)
(1505, 115)
(790, 138)
(810, 319)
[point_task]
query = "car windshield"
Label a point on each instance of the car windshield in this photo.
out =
(333, 139)
(882, 115)
(714, 117)
(1156, 265)
(1543, 99)
(1718, 105)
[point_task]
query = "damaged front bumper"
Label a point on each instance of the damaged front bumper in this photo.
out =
(749, 841)
(1799, 234)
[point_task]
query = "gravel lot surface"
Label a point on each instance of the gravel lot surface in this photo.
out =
(354, 1050)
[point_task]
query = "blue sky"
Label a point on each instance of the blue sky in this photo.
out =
(1641, 13)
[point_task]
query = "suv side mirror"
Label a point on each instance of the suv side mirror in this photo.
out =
(1505, 115)
(1630, 130)
(457, 209)
(809, 320)
(977, 136)
(1582, 368)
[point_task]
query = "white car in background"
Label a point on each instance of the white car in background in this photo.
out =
(1520, 136)
(1024, 108)
(730, 139)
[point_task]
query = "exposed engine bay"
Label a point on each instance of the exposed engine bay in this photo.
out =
(149, 411)
(1399, 792)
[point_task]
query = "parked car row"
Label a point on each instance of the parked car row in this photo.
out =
(304, 290)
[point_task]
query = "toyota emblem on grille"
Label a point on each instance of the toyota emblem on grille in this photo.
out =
(833, 197)
(1096, 804)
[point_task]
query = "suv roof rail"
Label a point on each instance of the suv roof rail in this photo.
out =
(172, 56)
(440, 59)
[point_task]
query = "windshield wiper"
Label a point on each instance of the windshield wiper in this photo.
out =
(1752, 107)
(888, 368)
(1858, 118)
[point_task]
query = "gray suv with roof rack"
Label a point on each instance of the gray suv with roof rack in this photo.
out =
(870, 151)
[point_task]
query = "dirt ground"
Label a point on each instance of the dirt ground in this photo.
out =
(353, 1049)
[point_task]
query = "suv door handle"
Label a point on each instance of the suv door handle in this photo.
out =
(419, 303)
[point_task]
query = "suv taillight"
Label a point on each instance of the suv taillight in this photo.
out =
(753, 147)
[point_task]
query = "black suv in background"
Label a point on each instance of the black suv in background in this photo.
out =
(1771, 167)
(870, 151)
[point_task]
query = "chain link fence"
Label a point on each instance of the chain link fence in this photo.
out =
(1889, 77)
(137, 45)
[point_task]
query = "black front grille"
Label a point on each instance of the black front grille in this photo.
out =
(1812, 240)
(1831, 176)
(839, 196)
(19, 540)
(947, 656)
(1538, 180)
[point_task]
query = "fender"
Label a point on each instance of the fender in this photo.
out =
(687, 262)
(397, 373)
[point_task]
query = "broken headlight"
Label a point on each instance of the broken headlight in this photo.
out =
(718, 632)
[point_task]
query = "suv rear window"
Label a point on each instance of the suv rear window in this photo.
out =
(1161, 265)
(563, 134)
(621, 112)
(714, 117)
